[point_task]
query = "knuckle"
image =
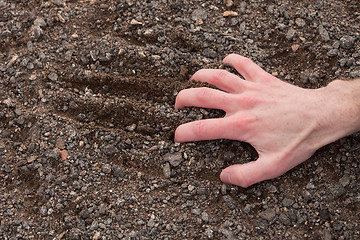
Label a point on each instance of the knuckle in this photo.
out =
(199, 129)
(220, 75)
(204, 93)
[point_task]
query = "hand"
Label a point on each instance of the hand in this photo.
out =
(284, 123)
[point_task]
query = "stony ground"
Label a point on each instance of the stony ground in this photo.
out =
(87, 120)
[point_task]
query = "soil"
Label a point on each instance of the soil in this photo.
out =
(87, 90)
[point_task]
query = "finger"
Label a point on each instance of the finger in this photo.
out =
(208, 129)
(221, 79)
(246, 67)
(250, 173)
(203, 97)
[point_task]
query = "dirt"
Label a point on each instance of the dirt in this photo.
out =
(97, 80)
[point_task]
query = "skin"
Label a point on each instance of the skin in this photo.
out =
(286, 124)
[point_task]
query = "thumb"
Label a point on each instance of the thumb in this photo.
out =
(250, 173)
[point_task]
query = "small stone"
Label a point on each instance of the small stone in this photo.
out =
(167, 170)
(20, 120)
(300, 22)
(230, 14)
(344, 181)
(295, 47)
(229, 3)
(304, 76)
(324, 34)
(59, 3)
(36, 32)
(73, 105)
(134, 22)
(64, 154)
(337, 190)
(109, 149)
(81, 117)
(205, 217)
(229, 156)
(199, 14)
(290, 34)
(284, 219)
(68, 55)
(97, 236)
(229, 201)
(324, 214)
(53, 77)
(347, 42)
(268, 214)
(287, 202)
(208, 52)
(52, 154)
(174, 159)
(333, 52)
(39, 21)
(355, 74)
(131, 127)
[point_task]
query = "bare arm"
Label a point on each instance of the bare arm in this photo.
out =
(286, 124)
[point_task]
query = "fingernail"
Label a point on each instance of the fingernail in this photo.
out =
(226, 178)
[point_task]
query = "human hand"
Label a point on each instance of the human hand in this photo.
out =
(286, 124)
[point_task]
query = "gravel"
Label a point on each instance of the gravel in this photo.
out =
(87, 120)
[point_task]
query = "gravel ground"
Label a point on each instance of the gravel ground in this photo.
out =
(87, 120)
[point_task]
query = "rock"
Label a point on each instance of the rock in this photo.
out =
(337, 190)
(208, 52)
(39, 21)
(304, 76)
(59, 3)
(68, 55)
(64, 154)
(199, 14)
(300, 22)
(205, 217)
(324, 34)
(174, 159)
(230, 14)
(167, 170)
(20, 120)
(134, 22)
(53, 76)
(229, 201)
(106, 168)
(268, 214)
(290, 34)
(344, 181)
(36, 32)
(287, 202)
(261, 226)
(52, 154)
(347, 42)
(109, 149)
(284, 219)
(333, 53)
(355, 74)
(229, 3)
(324, 214)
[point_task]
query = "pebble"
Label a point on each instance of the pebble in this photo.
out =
(337, 190)
(333, 53)
(175, 159)
(290, 34)
(229, 201)
(300, 22)
(199, 14)
(230, 14)
(53, 76)
(268, 214)
(109, 149)
(166, 170)
(324, 34)
(52, 154)
(59, 3)
(106, 168)
(347, 42)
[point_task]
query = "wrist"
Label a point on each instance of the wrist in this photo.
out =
(345, 97)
